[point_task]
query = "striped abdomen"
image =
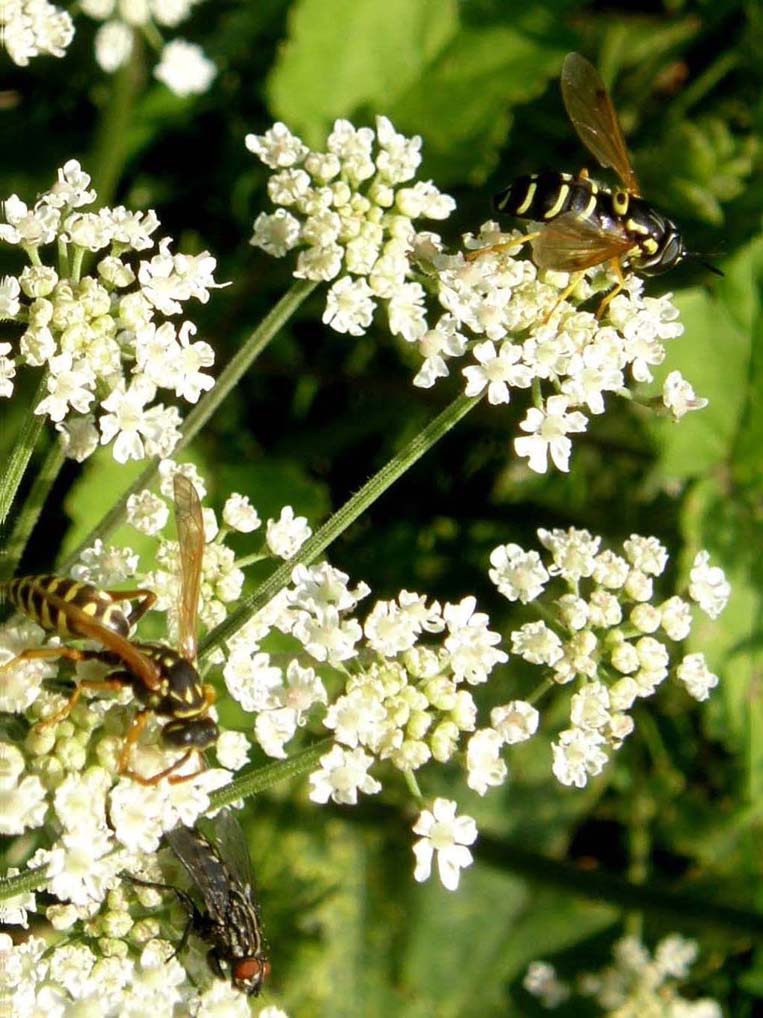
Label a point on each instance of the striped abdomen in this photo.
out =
(47, 600)
(544, 196)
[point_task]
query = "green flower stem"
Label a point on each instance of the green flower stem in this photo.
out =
(31, 880)
(30, 512)
(341, 519)
(268, 328)
(22, 451)
(111, 148)
(256, 781)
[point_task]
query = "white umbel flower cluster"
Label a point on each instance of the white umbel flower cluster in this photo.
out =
(73, 978)
(29, 28)
(637, 983)
(350, 212)
(106, 340)
(607, 633)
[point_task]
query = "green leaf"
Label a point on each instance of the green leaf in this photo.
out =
(412, 62)
(344, 54)
(714, 354)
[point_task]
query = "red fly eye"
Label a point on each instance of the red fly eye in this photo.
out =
(250, 971)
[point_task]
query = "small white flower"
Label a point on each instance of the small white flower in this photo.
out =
(708, 585)
(574, 552)
(548, 430)
(276, 233)
(542, 982)
(286, 535)
(696, 676)
(646, 554)
(239, 514)
(498, 370)
(184, 69)
(679, 397)
(536, 643)
(515, 721)
(278, 147)
(343, 773)
(447, 835)
(578, 755)
(484, 765)
(519, 575)
(113, 45)
(349, 306)
(274, 728)
(147, 513)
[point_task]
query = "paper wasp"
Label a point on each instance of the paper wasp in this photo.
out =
(220, 869)
(584, 223)
(164, 680)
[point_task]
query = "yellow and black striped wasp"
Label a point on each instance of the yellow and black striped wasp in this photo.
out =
(164, 680)
(229, 917)
(584, 223)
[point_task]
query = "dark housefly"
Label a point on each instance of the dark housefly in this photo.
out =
(229, 917)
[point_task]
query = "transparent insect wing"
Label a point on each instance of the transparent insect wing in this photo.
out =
(205, 869)
(190, 530)
(571, 244)
(228, 836)
(593, 116)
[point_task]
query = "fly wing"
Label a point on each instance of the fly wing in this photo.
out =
(190, 530)
(570, 244)
(205, 869)
(228, 837)
(593, 116)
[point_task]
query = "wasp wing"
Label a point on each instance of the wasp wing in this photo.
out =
(190, 530)
(571, 244)
(137, 663)
(204, 867)
(593, 116)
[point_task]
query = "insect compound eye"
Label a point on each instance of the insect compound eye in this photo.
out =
(250, 974)
(187, 733)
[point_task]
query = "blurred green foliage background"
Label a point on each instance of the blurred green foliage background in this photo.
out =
(681, 806)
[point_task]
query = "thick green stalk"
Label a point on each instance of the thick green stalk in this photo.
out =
(30, 513)
(342, 519)
(268, 328)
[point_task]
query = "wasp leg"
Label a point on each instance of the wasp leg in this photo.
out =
(576, 277)
(617, 268)
(73, 654)
(145, 598)
(506, 245)
(136, 729)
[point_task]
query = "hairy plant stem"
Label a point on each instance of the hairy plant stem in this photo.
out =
(268, 328)
(30, 512)
(256, 781)
(340, 521)
(22, 451)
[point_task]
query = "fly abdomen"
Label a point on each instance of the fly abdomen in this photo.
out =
(542, 197)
